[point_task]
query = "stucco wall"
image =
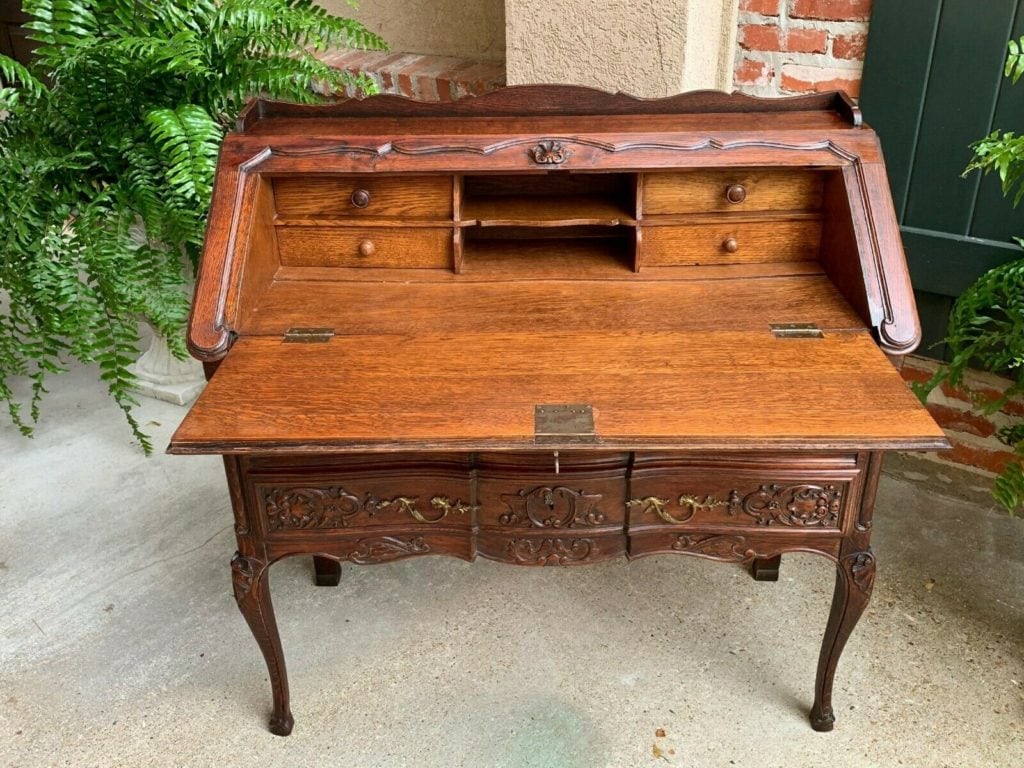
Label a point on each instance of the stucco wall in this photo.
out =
(645, 47)
(469, 29)
(635, 46)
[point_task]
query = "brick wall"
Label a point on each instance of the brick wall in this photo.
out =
(422, 76)
(800, 46)
(972, 433)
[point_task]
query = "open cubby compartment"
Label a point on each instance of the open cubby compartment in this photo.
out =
(555, 223)
(523, 252)
(550, 199)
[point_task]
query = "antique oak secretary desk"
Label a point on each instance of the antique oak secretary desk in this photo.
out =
(553, 326)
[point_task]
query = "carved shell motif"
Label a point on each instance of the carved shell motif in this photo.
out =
(549, 153)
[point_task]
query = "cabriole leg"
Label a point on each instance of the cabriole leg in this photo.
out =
(765, 568)
(855, 576)
(249, 576)
(328, 572)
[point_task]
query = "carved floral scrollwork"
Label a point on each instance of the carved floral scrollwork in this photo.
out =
(729, 548)
(310, 507)
(383, 549)
(550, 551)
(549, 153)
(795, 505)
(547, 507)
(334, 507)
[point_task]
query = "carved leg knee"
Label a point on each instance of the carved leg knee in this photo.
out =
(252, 593)
(328, 572)
(765, 568)
(855, 577)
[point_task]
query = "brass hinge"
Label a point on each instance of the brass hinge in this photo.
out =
(308, 335)
(796, 331)
(563, 424)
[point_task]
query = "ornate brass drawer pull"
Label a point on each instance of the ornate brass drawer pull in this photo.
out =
(445, 507)
(690, 505)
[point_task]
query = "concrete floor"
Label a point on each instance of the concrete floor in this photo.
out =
(120, 644)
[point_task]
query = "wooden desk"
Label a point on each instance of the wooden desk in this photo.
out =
(551, 326)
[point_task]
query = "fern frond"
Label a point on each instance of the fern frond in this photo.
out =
(189, 140)
(18, 77)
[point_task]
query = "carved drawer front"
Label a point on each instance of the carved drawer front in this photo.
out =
(701, 498)
(397, 247)
(731, 190)
(407, 197)
(550, 547)
(731, 242)
(580, 496)
(337, 502)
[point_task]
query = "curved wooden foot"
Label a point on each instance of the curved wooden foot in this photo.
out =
(328, 572)
(765, 568)
(855, 576)
(281, 726)
(249, 577)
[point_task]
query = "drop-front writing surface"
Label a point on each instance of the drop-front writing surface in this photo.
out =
(552, 326)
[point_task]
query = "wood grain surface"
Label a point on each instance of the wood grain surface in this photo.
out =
(544, 305)
(408, 197)
(700, 191)
(477, 390)
(731, 242)
(396, 246)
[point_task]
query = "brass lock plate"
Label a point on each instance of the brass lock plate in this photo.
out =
(572, 423)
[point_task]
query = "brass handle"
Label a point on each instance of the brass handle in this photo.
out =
(730, 245)
(360, 198)
(367, 248)
(736, 193)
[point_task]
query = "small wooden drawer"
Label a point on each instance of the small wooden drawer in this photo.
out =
(334, 502)
(564, 501)
(731, 242)
(550, 548)
(698, 498)
(742, 189)
(407, 197)
(325, 246)
(522, 491)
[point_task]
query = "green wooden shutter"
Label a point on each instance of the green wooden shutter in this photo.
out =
(933, 84)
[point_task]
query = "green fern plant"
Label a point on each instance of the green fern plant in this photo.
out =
(986, 326)
(108, 145)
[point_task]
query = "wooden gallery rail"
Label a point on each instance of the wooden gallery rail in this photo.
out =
(553, 326)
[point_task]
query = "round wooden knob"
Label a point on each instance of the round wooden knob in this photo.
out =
(736, 193)
(367, 248)
(360, 198)
(730, 245)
